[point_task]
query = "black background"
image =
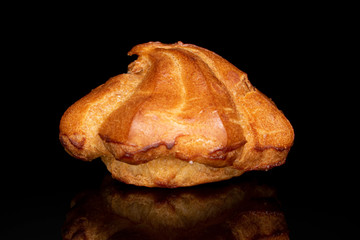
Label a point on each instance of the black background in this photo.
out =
(298, 64)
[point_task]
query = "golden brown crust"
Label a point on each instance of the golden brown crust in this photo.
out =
(178, 101)
(168, 172)
(80, 123)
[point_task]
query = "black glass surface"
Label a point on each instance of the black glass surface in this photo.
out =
(237, 209)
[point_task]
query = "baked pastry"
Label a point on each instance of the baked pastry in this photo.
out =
(226, 210)
(181, 116)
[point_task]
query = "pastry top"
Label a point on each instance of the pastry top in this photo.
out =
(180, 101)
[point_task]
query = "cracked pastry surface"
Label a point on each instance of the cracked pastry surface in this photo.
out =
(181, 116)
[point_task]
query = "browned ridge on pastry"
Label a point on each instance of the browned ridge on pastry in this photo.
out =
(181, 112)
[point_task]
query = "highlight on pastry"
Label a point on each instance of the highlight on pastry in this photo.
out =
(181, 116)
(226, 210)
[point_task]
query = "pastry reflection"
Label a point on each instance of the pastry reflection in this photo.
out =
(236, 209)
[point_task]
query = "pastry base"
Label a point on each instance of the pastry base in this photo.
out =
(167, 172)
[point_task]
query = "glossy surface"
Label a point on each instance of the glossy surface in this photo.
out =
(36, 210)
(242, 209)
